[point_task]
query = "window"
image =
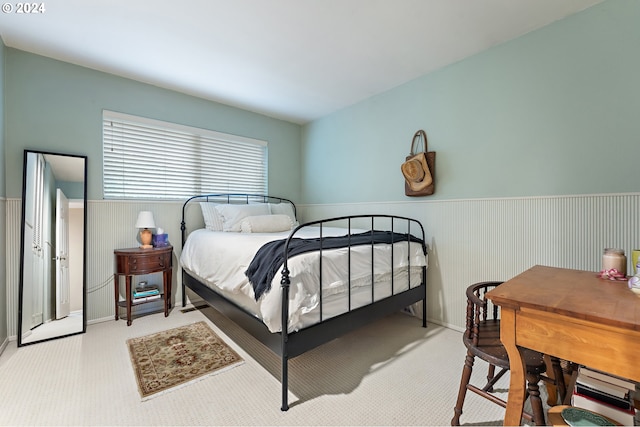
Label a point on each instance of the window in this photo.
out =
(150, 159)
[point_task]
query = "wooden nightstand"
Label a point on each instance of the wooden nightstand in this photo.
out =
(135, 261)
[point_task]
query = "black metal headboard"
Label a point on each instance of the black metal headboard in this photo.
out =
(231, 198)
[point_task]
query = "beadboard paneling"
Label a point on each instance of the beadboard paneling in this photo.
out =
(496, 239)
(110, 225)
(469, 241)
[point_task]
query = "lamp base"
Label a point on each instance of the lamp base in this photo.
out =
(145, 239)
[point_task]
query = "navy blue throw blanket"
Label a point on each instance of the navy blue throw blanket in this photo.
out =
(270, 257)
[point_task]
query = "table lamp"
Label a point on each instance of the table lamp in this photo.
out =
(145, 222)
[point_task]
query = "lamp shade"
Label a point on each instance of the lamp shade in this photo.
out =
(145, 220)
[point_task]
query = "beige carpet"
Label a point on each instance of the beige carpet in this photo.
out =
(177, 357)
(392, 372)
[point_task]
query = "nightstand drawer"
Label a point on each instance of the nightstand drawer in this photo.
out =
(152, 262)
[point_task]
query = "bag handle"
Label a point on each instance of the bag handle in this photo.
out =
(420, 135)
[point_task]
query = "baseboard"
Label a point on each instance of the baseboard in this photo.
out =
(444, 324)
(193, 307)
(100, 320)
(144, 309)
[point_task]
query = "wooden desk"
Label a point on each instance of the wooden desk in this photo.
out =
(570, 314)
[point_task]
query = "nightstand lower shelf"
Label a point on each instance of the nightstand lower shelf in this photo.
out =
(140, 301)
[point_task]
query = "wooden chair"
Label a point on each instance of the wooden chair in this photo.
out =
(561, 378)
(482, 339)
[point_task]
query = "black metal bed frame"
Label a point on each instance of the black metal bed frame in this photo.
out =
(289, 345)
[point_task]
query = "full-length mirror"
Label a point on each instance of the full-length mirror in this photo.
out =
(53, 250)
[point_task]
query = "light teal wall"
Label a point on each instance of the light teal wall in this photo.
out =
(3, 234)
(554, 112)
(2, 111)
(72, 190)
(56, 106)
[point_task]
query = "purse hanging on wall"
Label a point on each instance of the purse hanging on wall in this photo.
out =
(419, 168)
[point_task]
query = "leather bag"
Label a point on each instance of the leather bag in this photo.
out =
(419, 168)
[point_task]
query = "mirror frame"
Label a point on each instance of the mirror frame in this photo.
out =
(22, 247)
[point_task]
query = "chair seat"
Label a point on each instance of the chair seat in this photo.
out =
(490, 349)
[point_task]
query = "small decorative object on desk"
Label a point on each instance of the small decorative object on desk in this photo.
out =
(634, 281)
(634, 284)
(635, 259)
(614, 264)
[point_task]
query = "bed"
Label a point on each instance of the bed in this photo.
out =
(296, 286)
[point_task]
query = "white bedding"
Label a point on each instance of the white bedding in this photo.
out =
(219, 259)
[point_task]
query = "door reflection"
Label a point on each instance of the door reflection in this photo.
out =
(52, 274)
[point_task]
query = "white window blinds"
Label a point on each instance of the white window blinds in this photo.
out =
(150, 159)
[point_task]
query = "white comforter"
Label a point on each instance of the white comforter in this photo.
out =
(219, 259)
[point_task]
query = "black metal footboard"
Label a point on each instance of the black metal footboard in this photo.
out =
(289, 345)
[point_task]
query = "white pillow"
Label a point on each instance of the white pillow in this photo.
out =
(266, 224)
(284, 208)
(232, 215)
(212, 220)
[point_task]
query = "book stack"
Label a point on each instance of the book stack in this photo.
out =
(605, 394)
(145, 293)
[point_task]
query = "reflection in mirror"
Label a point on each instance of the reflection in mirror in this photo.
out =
(52, 271)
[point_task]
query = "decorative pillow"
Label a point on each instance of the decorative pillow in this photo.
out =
(232, 215)
(284, 208)
(266, 224)
(212, 219)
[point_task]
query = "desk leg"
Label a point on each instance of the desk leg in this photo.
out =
(557, 390)
(517, 385)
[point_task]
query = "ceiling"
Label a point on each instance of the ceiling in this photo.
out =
(66, 168)
(296, 60)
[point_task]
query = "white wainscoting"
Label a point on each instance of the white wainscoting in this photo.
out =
(495, 239)
(110, 225)
(4, 338)
(469, 241)
(13, 209)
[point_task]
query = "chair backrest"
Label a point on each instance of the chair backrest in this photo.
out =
(482, 339)
(479, 309)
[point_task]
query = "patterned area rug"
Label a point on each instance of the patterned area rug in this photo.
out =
(170, 359)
